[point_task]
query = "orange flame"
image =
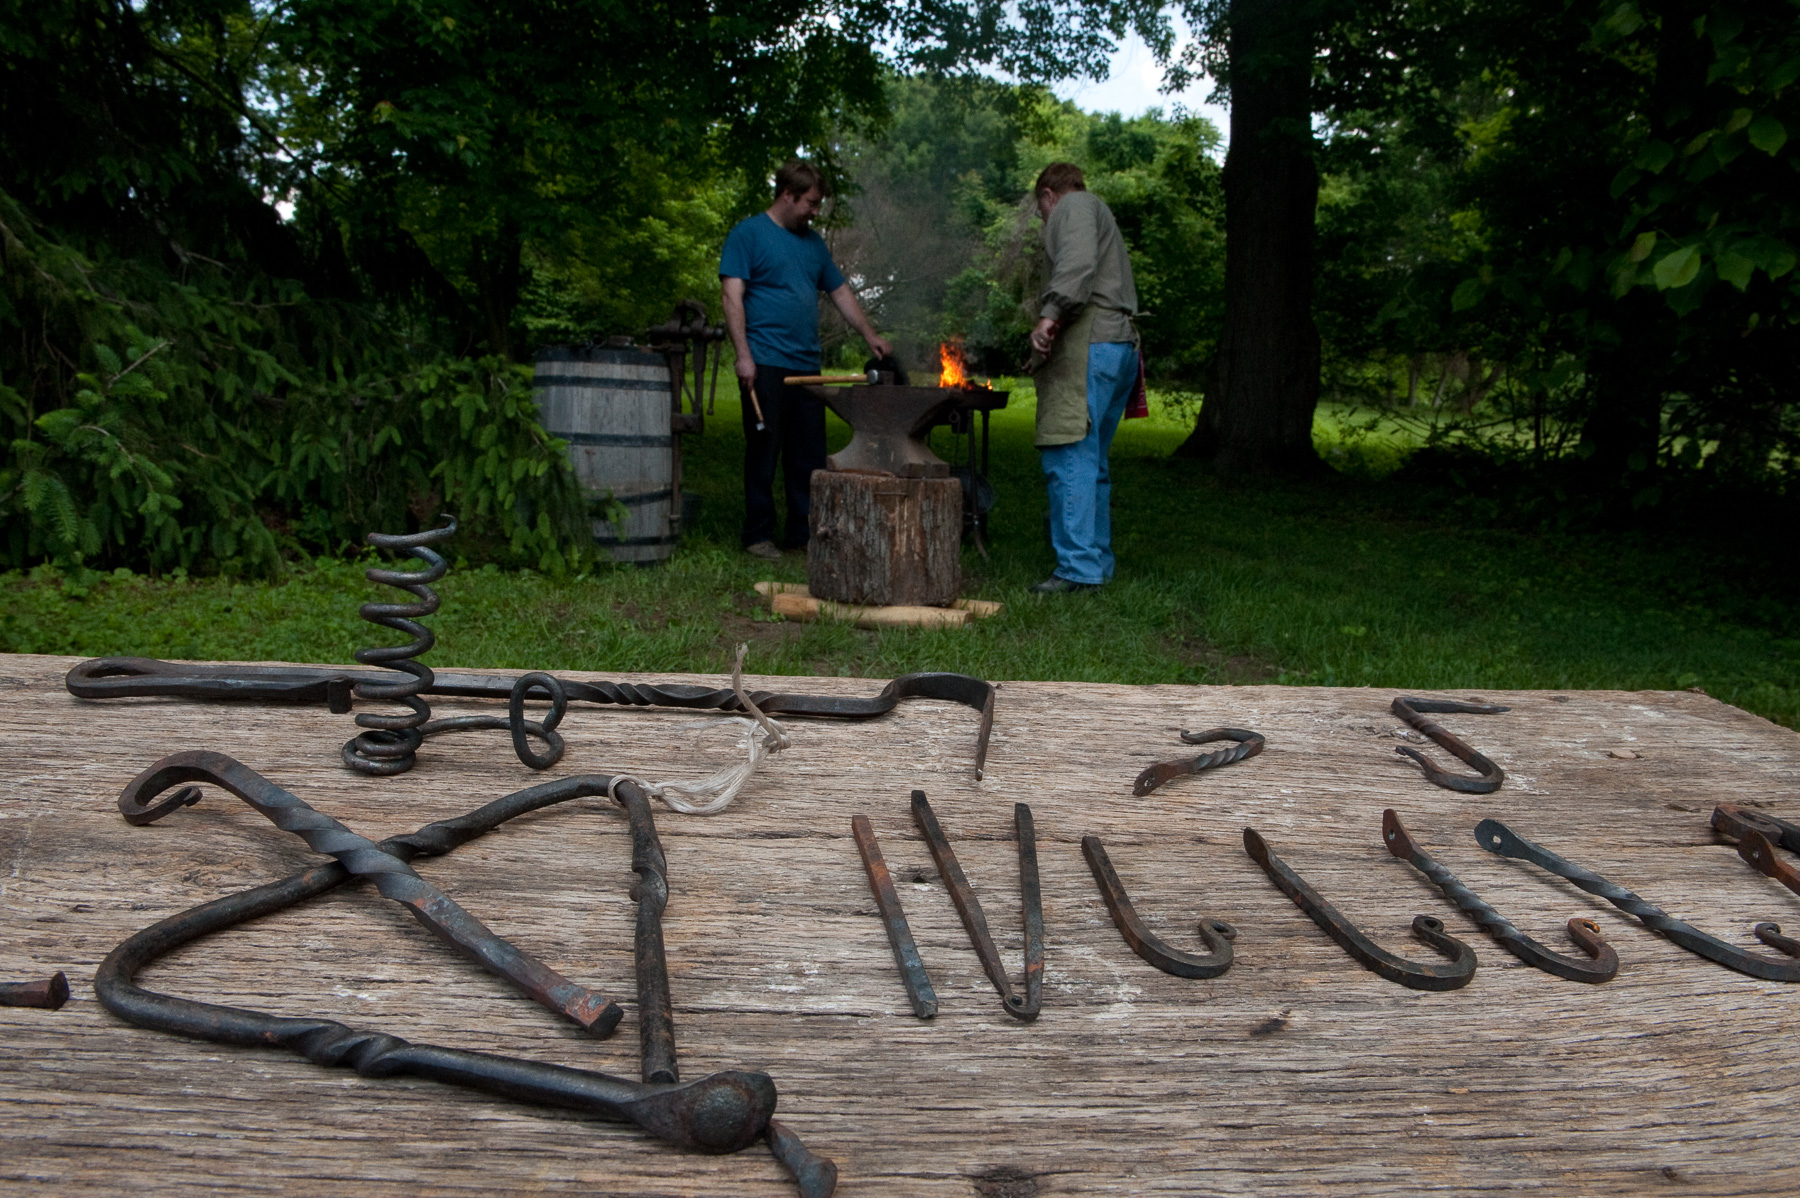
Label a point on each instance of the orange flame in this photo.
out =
(954, 372)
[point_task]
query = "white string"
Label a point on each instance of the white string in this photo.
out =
(715, 792)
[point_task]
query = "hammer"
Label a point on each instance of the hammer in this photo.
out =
(869, 377)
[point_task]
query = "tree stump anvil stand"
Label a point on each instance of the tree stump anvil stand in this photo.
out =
(886, 521)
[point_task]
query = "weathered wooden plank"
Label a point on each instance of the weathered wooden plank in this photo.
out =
(1295, 1073)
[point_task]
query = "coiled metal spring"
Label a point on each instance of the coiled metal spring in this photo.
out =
(391, 744)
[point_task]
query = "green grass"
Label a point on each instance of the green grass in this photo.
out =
(1338, 582)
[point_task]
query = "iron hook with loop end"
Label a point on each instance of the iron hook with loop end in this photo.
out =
(1410, 974)
(1249, 744)
(1216, 934)
(1408, 709)
(1584, 932)
(1499, 839)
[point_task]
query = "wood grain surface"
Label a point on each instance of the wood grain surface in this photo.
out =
(1297, 1072)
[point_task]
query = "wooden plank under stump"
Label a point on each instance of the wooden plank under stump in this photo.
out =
(1296, 1073)
(880, 540)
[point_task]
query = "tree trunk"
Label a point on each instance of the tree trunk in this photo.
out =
(879, 539)
(498, 275)
(1264, 385)
(1623, 430)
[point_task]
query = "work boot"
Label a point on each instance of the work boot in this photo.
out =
(1058, 585)
(765, 550)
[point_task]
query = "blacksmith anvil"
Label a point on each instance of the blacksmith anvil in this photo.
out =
(889, 424)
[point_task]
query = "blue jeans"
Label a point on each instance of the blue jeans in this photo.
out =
(1080, 481)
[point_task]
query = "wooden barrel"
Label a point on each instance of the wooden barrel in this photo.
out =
(612, 406)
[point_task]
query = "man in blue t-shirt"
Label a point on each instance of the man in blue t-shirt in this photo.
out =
(771, 273)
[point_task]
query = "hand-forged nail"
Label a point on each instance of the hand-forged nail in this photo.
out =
(1249, 745)
(1373, 957)
(48, 994)
(1584, 932)
(1216, 934)
(1021, 1006)
(1408, 709)
(1497, 838)
(816, 1176)
(887, 902)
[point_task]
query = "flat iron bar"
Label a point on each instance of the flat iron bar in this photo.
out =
(887, 901)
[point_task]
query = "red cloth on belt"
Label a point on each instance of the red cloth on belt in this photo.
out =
(1139, 403)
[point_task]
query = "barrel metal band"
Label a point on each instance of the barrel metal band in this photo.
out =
(601, 382)
(648, 440)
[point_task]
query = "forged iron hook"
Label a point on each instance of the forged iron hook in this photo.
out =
(720, 1113)
(393, 877)
(887, 901)
(1216, 934)
(1604, 965)
(1428, 928)
(1497, 838)
(49, 994)
(1020, 1006)
(1408, 709)
(1249, 745)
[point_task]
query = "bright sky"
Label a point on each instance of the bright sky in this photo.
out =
(1131, 87)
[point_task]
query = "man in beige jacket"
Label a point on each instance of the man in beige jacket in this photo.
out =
(1086, 334)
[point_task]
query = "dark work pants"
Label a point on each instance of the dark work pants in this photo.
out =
(794, 429)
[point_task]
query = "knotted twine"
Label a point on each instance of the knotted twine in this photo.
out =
(714, 793)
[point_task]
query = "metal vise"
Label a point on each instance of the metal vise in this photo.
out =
(889, 424)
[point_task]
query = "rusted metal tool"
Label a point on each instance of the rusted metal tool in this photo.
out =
(1216, 934)
(1409, 708)
(1496, 837)
(656, 1012)
(887, 902)
(1428, 928)
(1249, 744)
(393, 877)
(1604, 963)
(132, 677)
(1757, 835)
(1020, 1006)
(49, 994)
(720, 1113)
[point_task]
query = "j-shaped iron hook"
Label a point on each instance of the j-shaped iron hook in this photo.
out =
(1216, 934)
(1373, 957)
(1496, 837)
(1604, 965)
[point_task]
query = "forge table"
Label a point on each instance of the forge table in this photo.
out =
(1296, 1073)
